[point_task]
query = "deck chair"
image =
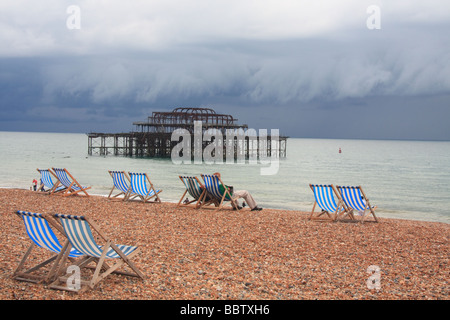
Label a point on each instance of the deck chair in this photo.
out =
(140, 189)
(121, 182)
(47, 182)
(200, 197)
(67, 180)
(355, 199)
(39, 231)
(79, 231)
(325, 198)
(212, 185)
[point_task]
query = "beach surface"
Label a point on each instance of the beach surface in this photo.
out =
(229, 255)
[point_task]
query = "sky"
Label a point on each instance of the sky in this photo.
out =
(312, 69)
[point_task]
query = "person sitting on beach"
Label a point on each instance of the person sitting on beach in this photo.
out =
(236, 194)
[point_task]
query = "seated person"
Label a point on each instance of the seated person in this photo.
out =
(236, 194)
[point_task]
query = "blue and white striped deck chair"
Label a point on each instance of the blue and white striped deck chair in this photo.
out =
(213, 185)
(71, 184)
(79, 230)
(355, 199)
(197, 191)
(47, 182)
(121, 182)
(142, 187)
(325, 197)
(39, 231)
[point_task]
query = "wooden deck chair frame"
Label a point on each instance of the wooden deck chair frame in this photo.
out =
(80, 232)
(197, 191)
(73, 187)
(139, 188)
(39, 227)
(121, 182)
(46, 181)
(324, 198)
(356, 200)
(214, 191)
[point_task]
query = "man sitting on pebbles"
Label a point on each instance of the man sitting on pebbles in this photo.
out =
(236, 194)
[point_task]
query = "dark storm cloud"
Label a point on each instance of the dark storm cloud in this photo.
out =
(301, 68)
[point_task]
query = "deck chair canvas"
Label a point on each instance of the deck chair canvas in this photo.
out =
(47, 182)
(121, 182)
(197, 191)
(356, 200)
(83, 235)
(325, 197)
(40, 231)
(142, 188)
(212, 185)
(71, 184)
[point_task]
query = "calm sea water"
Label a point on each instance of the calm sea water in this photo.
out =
(404, 179)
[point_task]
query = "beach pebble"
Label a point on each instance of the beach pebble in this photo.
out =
(207, 254)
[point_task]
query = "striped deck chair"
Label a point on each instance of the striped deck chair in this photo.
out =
(140, 189)
(39, 231)
(67, 180)
(355, 199)
(47, 182)
(79, 230)
(197, 191)
(325, 197)
(212, 185)
(121, 182)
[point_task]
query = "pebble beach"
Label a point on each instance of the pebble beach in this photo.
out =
(189, 254)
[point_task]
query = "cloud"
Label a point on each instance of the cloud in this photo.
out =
(296, 71)
(129, 58)
(27, 29)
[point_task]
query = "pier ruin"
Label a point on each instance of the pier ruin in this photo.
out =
(153, 137)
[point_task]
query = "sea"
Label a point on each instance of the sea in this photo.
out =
(404, 179)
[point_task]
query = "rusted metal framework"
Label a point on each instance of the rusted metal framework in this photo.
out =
(167, 122)
(153, 138)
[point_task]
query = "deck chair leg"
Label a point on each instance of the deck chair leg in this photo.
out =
(199, 203)
(64, 258)
(95, 279)
(68, 190)
(28, 276)
(24, 258)
(101, 264)
(351, 214)
(110, 193)
(59, 259)
(128, 261)
(320, 214)
(181, 199)
(342, 214)
(312, 211)
(368, 206)
(233, 204)
(221, 202)
(327, 213)
(55, 187)
(373, 213)
(369, 211)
